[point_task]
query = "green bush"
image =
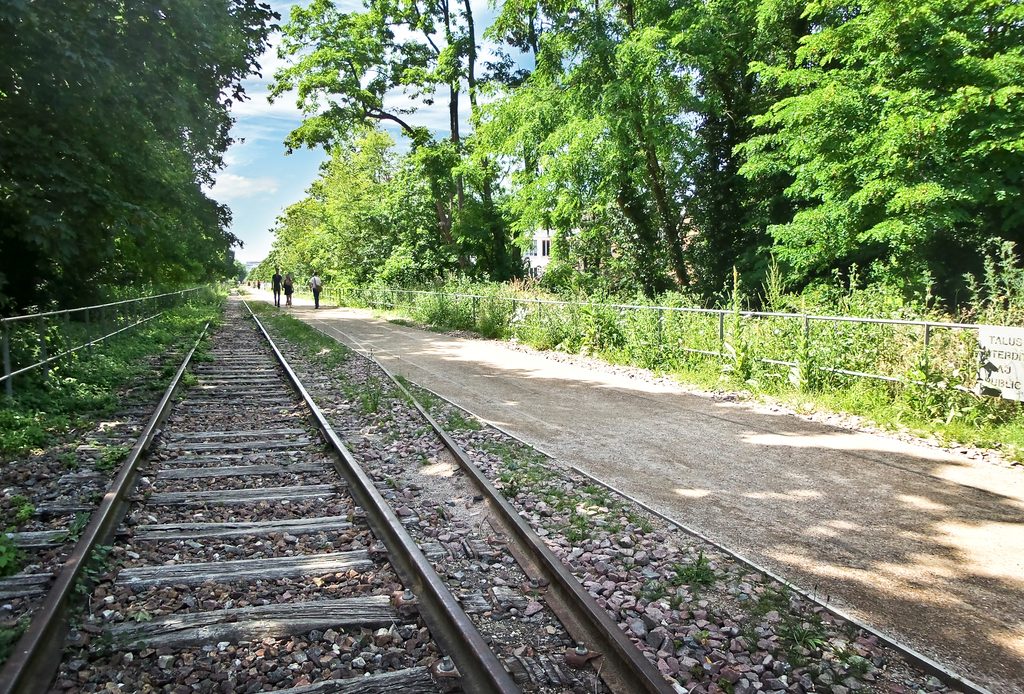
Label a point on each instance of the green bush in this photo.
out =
(11, 558)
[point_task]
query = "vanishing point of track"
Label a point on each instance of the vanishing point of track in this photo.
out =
(235, 529)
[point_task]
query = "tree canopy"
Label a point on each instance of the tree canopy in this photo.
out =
(113, 117)
(660, 144)
(664, 144)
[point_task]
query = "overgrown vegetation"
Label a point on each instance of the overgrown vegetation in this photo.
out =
(89, 383)
(370, 396)
(933, 396)
(696, 574)
(9, 636)
(111, 456)
(11, 557)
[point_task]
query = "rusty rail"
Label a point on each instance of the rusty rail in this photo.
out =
(479, 667)
(33, 662)
(623, 667)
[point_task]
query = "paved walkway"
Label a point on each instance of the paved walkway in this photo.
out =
(923, 545)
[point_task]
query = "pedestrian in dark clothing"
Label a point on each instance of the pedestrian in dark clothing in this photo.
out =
(315, 284)
(277, 279)
(288, 286)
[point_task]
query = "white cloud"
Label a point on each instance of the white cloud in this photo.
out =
(234, 187)
(257, 106)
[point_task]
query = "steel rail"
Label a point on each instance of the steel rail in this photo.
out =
(449, 624)
(624, 668)
(927, 664)
(32, 665)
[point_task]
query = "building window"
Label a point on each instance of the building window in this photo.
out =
(545, 247)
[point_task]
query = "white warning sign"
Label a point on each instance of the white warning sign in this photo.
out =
(1002, 361)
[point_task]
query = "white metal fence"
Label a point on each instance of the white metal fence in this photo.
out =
(874, 348)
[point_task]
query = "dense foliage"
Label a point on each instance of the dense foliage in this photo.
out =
(903, 135)
(664, 144)
(113, 117)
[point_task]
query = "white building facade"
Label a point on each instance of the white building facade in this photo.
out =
(539, 254)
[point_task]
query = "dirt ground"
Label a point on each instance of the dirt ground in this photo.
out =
(924, 545)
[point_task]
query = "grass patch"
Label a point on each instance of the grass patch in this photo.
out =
(423, 396)
(578, 528)
(86, 385)
(9, 636)
(111, 457)
(11, 558)
(801, 637)
(20, 510)
(771, 601)
(370, 397)
(459, 422)
(314, 345)
(699, 573)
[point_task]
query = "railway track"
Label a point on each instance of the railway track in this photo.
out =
(251, 551)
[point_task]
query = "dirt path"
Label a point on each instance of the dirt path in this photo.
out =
(923, 545)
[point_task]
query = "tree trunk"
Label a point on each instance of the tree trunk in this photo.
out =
(501, 268)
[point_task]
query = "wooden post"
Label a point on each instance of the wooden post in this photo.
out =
(42, 347)
(8, 385)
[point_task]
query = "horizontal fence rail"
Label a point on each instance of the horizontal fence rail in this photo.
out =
(46, 337)
(884, 349)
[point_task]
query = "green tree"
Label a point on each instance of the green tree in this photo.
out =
(112, 120)
(343, 66)
(368, 215)
(727, 214)
(600, 127)
(904, 135)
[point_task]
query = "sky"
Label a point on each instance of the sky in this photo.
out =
(260, 180)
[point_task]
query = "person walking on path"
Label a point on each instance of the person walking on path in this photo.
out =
(315, 284)
(276, 279)
(289, 285)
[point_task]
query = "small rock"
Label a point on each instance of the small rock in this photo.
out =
(532, 608)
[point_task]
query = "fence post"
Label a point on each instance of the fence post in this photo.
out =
(42, 347)
(661, 327)
(721, 331)
(927, 341)
(475, 301)
(8, 385)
